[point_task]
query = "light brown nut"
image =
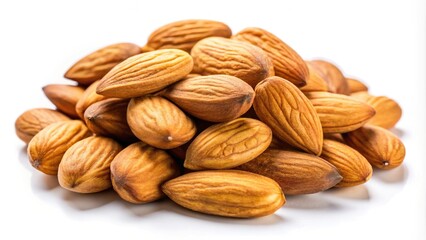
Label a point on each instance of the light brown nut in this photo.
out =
(356, 85)
(214, 98)
(185, 34)
(295, 172)
(64, 97)
(227, 145)
(315, 81)
(334, 75)
(85, 166)
(145, 73)
(334, 136)
(108, 118)
(46, 149)
(287, 63)
(217, 55)
(158, 122)
(339, 113)
(95, 65)
(138, 171)
(88, 98)
(379, 146)
(34, 120)
(229, 193)
(290, 115)
(352, 166)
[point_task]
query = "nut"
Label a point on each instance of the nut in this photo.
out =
(88, 98)
(64, 97)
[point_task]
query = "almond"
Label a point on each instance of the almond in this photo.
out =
(88, 98)
(356, 85)
(45, 150)
(315, 81)
(379, 146)
(334, 75)
(95, 65)
(290, 115)
(158, 122)
(145, 73)
(295, 172)
(64, 97)
(227, 145)
(287, 63)
(229, 193)
(214, 98)
(34, 120)
(216, 55)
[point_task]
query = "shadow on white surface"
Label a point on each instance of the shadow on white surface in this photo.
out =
(398, 132)
(23, 158)
(85, 202)
(359, 192)
(311, 202)
(396, 175)
(43, 182)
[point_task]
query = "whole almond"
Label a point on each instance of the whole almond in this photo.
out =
(64, 97)
(379, 146)
(88, 98)
(216, 55)
(295, 172)
(145, 73)
(339, 113)
(214, 98)
(34, 120)
(356, 85)
(227, 145)
(315, 81)
(46, 148)
(352, 166)
(138, 171)
(158, 122)
(85, 166)
(334, 75)
(287, 63)
(229, 193)
(290, 115)
(185, 34)
(95, 65)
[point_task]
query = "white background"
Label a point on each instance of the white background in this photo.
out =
(380, 42)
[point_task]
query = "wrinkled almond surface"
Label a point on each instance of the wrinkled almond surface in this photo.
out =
(88, 98)
(334, 76)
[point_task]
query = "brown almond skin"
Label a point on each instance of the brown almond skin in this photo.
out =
(109, 118)
(315, 81)
(32, 121)
(379, 146)
(216, 55)
(290, 115)
(158, 122)
(95, 65)
(229, 193)
(287, 63)
(356, 85)
(64, 97)
(85, 166)
(185, 34)
(352, 166)
(138, 171)
(88, 98)
(334, 75)
(227, 145)
(339, 113)
(45, 150)
(214, 98)
(145, 73)
(296, 172)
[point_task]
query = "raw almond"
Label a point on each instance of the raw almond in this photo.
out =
(356, 85)
(315, 81)
(227, 145)
(85, 166)
(229, 193)
(216, 55)
(290, 115)
(88, 98)
(64, 97)
(138, 171)
(334, 75)
(145, 73)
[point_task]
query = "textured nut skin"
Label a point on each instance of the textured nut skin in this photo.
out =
(229, 193)
(216, 55)
(227, 145)
(334, 75)
(95, 65)
(352, 166)
(145, 73)
(158, 122)
(339, 113)
(296, 172)
(32, 121)
(356, 85)
(45, 150)
(85, 166)
(287, 63)
(185, 34)
(290, 115)
(88, 98)
(64, 97)
(379, 146)
(138, 171)
(315, 81)
(214, 98)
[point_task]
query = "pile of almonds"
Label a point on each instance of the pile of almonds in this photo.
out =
(221, 124)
